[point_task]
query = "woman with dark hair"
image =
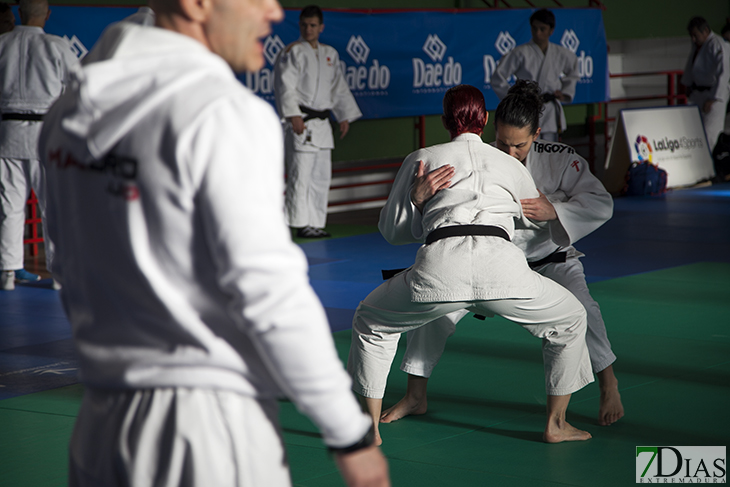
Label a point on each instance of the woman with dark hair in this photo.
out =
(572, 203)
(462, 200)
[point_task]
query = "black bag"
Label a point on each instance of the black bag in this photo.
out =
(645, 178)
(721, 158)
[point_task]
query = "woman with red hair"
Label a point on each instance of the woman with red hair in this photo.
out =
(467, 262)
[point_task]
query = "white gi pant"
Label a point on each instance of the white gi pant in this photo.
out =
(176, 437)
(308, 177)
(426, 345)
(554, 315)
(714, 121)
(17, 177)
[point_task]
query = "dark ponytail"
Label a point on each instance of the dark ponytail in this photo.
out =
(521, 107)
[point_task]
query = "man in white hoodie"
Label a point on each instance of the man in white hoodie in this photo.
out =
(190, 306)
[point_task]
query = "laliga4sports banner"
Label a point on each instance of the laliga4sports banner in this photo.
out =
(401, 63)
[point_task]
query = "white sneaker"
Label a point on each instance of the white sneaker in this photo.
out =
(7, 280)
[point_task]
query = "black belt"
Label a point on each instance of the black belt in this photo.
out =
(694, 87)
(25, 117)
(465, 231)
(454, 231)
(555, 257)
(310, 114)
(548, 97)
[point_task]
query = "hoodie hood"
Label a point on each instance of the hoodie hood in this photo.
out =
(131, 71)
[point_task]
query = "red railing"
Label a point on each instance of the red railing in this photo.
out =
(368, 167)
(32, 221)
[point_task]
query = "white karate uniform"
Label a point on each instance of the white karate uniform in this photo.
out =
(557, 69)
(582, 205)
(312, 78)
(178, 270)
(34, 69)
(711, 69)
(484, 274)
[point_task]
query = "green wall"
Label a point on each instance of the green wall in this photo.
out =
(623, 19)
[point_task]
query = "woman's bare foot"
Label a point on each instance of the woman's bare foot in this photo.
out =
(559, 431)
(373, 406)
(557, 428)
(611, 409)
(378, 440)
(406, 406)
(414, 402)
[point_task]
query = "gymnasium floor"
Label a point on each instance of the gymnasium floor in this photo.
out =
(660, 269)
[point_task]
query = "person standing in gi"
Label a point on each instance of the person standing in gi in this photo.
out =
(554, 68)
(309, 86)
(34, 70)
(706, 77)
(189, 303)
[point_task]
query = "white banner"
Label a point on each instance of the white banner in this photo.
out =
(672, 138)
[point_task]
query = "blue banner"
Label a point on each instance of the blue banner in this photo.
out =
(401, 63)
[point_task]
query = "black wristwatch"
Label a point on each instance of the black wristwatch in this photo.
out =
(365, 442)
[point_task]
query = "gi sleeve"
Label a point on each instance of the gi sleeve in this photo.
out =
(65, 61)
(238, 161)
(570, 75)
(286, 80)
(721, 61)
(400, 221)
(581, 203)
(525, 189)
(345, 106)
(506, 67)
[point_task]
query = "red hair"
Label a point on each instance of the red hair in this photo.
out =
(464, 110)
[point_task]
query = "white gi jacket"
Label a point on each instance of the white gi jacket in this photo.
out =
(34, 68)
(710, 69)
(557, 69)
(312, 78)
(486, 190)
(178, 270)
(579, 198)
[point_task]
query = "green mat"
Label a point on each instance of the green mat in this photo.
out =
(670, 330)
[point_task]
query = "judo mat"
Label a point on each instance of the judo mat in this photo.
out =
(660, 270)
(669, 328)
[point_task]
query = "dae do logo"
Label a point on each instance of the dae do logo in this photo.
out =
(571, 42)
(375, 77)
(262, 81)
(435, 74)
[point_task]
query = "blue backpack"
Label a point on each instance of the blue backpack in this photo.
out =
(645, 178)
